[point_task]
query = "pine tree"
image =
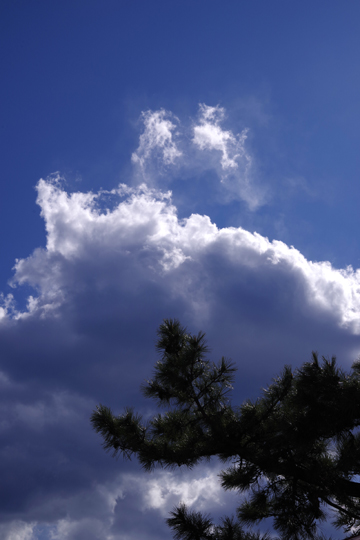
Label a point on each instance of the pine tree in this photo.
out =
(294, 452)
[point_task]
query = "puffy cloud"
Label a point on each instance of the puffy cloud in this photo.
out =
(8, 306)
(163, 490)
(115, 264)
(110, 510)
(144, 227)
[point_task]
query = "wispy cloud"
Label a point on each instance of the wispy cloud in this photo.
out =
(157, 140)
(171, 151)
(236, 163)
(208, 135)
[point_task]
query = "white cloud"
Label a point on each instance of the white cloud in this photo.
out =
(205, 146)
(236, 162)
(162, 490)
(208, 135)
(157, 140)
(157, 492)
(145, 225)
(8, 306)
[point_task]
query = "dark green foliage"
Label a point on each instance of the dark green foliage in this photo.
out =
(194, 526)
(189, 525)
(294, 453)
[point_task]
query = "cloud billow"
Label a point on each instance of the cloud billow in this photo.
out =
(143, 232)
(107, 277)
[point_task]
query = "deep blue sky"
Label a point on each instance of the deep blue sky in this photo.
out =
(77, 74)
(76, 78)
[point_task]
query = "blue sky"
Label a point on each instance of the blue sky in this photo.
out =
(248, 113)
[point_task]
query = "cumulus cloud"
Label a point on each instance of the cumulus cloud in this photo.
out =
(144, 225)
(155, 494)
(164, 489)
(115, 264)
(7, 307)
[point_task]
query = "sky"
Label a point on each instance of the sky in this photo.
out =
(164, 159)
